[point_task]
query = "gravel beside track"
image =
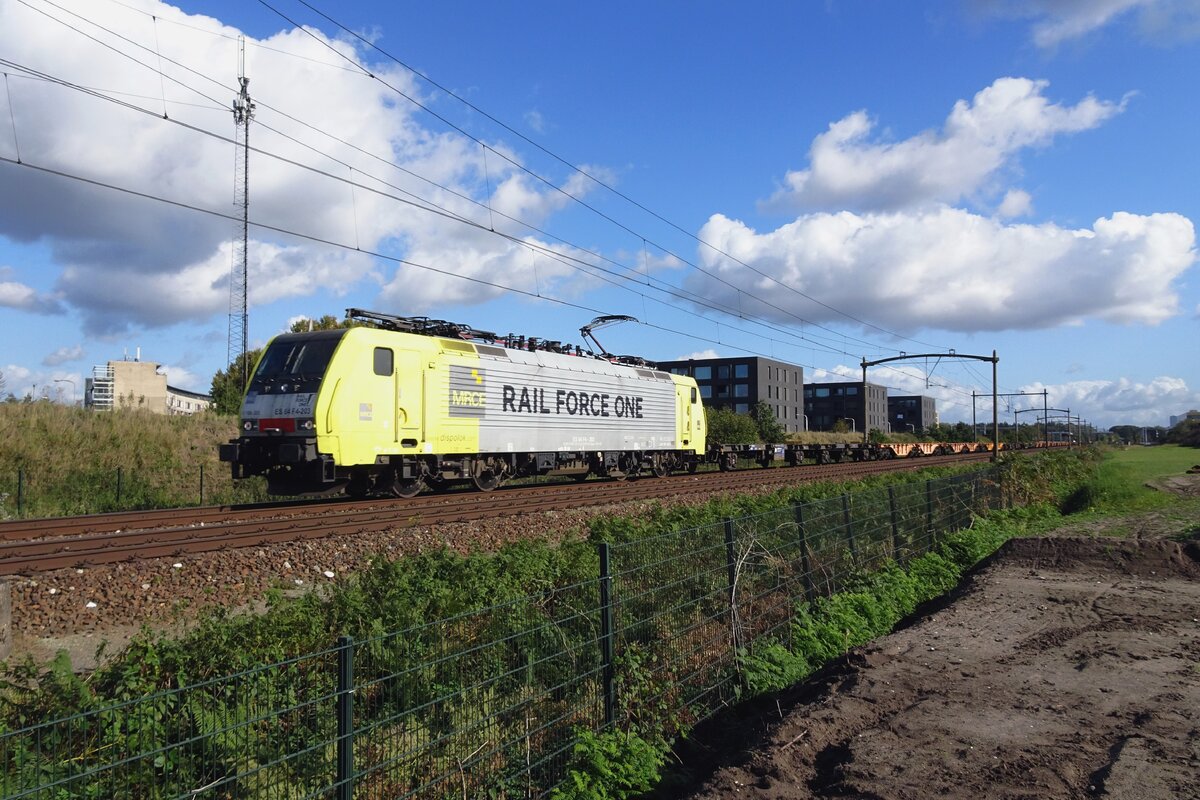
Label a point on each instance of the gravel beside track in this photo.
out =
(79, 607)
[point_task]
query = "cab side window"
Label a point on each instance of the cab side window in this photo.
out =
(384, 359)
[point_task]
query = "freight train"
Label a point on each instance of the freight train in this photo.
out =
(395, 404)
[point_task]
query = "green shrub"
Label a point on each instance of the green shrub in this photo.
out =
(611, 765)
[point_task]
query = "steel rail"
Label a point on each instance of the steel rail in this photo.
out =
(197, 534)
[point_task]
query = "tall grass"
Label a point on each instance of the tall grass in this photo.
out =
(66, 460)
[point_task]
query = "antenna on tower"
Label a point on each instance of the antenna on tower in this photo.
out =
(243, 111)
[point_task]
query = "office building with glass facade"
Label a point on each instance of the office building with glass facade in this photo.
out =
(862, 406)
(738, 383)
(911, 413)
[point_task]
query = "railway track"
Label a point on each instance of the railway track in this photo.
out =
(39, 545)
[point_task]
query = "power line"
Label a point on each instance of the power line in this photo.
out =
(571, 166)
(808, 340)
(684, 294)
(342, 246)
(561, 160)
(678, 293)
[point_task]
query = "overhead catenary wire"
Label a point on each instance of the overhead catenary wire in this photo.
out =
(676, 292)
(719, 341)
(424, 107)
(421, 202)
(562, 258)
(584, 172)
(808, 339)
(344, 246)
(682, 294)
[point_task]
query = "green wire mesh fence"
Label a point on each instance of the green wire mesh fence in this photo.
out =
(490, 703)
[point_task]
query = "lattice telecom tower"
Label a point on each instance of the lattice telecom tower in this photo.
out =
(243, 112)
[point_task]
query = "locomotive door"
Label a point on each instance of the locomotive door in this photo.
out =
(410, 398)
(687, 404)
(695, 420)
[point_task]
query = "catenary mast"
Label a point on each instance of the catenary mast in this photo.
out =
(243, 111)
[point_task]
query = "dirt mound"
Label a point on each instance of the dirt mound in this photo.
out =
(1148, 558)
(1186, 485)
(1065, 669)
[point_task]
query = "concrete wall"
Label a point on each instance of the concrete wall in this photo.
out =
(137, 384)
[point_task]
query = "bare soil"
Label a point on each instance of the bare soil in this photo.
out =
(1061, 668)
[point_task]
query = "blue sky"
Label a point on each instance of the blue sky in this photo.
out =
(818, 183)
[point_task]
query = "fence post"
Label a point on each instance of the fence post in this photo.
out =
(201, 484)
(730, 561)
(928, 515)
(849, 529)
(20, 492)
(897, 551)
(735, 635)
(607, 636)
(345, 718)
(118, 503)
(810, 593)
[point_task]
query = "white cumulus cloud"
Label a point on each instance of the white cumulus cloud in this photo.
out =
(1016, 203)
(129, 262)
(849, 169)
(1124, 401)
(947, 268)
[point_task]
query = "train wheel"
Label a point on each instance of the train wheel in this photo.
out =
(660, 467)
(692, 466)
(406, 487)
(486, 481)
(581, 476)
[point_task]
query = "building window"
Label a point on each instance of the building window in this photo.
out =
(741, 408)
(741, 390)
(704, 373)
(852, 391)
(723, 390)
(723, 372)
(706, 391)
(741, 370)
(823, 391)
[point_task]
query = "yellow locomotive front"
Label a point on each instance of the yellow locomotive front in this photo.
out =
(279, 435)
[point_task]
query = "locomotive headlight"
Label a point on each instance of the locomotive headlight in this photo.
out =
(248, 425)
(307, 425)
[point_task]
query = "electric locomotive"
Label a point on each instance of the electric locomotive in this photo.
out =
(397, 404)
